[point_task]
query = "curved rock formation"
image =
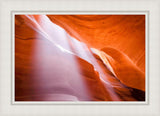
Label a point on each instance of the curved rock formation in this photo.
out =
(91, 58)
(119, 36)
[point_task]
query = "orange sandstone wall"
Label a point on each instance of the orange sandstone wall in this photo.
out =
(125, 33)
(121, 37)
(118, 40)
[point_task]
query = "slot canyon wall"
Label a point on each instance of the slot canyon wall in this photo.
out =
(79, 57)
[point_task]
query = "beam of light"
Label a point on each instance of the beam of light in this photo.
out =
(52, 74)
(46, 30)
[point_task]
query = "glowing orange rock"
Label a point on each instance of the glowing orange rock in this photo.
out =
(45, 73)
(126, 71)
(124, 33)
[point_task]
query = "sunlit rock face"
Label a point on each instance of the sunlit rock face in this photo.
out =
(125, 33)
(85, 58)
(121, 37)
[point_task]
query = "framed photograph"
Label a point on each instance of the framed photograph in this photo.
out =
(79, 57)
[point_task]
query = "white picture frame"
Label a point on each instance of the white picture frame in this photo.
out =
(150, 8)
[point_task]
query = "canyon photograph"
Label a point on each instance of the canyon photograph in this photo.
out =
(79, 57)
